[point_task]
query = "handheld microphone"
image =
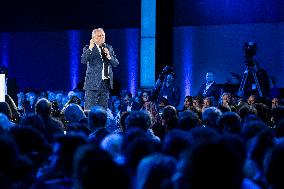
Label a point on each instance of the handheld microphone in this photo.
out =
(103, 46)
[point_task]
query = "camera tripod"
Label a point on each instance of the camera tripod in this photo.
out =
(250, 69)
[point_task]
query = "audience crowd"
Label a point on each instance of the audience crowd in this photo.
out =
(47, 141)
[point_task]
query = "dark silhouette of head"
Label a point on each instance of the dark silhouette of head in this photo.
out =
(43, 107)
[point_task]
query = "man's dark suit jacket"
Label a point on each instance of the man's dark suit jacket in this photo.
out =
(212, 91)
(94, 63)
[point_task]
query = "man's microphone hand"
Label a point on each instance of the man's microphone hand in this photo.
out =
(106, 52)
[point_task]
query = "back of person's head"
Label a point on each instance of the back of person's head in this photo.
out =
(251, 128)
(202, 134)
(263, 112)
(138, 119)
(78, 129)
(112, 144)
(170, 116)
(5, 109)
(187, 120)
(175, 142)
(259, 147)
(97, 117)
(74, 113)
(5, 123)
(154, 171)
(277, 114)
(9, 154)
(122, 121)
(94, 168)
(246, 110)
(136, 150)
(214, 164)
(31, 143)
(43, 107)
(229, 122)
(64, 149)
(32, 120)
(275, 167)
(210, 116)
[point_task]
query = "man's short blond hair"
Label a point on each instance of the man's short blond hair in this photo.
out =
(97, 30)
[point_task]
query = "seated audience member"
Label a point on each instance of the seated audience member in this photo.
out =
(188, 103)
(9, 161)
(141, 120)
(113, 115)
(33, 120)
(225, 104)
(213, 164)
(97, 120)
(94, 168)
(112, 144)
(253, 99)
(31, 144)
(125, 100)
(5, 123)
(277, 115)
(188, 120)
(51, 125)
(257, 151)
(176, 142)
(31, 99)
(275, 166)
(229, 122)
(210, 116)
(150, 107)
(274, 103)
(207, 102)
(59, 172)
(170, 118)
(73, 113)
(155, 171)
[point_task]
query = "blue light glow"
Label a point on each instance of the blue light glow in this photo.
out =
(132, 58)
(74, 38)
(187, 62)
(4, 49)
(183, 57)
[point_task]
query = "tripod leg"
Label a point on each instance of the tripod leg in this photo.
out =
(243, 82)
(256, 82)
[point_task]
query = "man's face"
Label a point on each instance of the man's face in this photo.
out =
(99, 37)
(170, 79)
(145, 97)
(209, 77)
(186, 103)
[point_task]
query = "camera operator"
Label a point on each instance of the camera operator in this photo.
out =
(165, 87)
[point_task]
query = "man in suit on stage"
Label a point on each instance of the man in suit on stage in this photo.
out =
(100, 59)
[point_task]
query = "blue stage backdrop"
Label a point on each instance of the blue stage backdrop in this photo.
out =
(51, 60)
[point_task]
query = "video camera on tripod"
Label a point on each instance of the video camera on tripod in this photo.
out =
(250, 49)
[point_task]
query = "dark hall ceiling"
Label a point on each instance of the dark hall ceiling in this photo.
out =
(32, 15)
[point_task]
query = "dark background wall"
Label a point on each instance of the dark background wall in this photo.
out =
(194, 36)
